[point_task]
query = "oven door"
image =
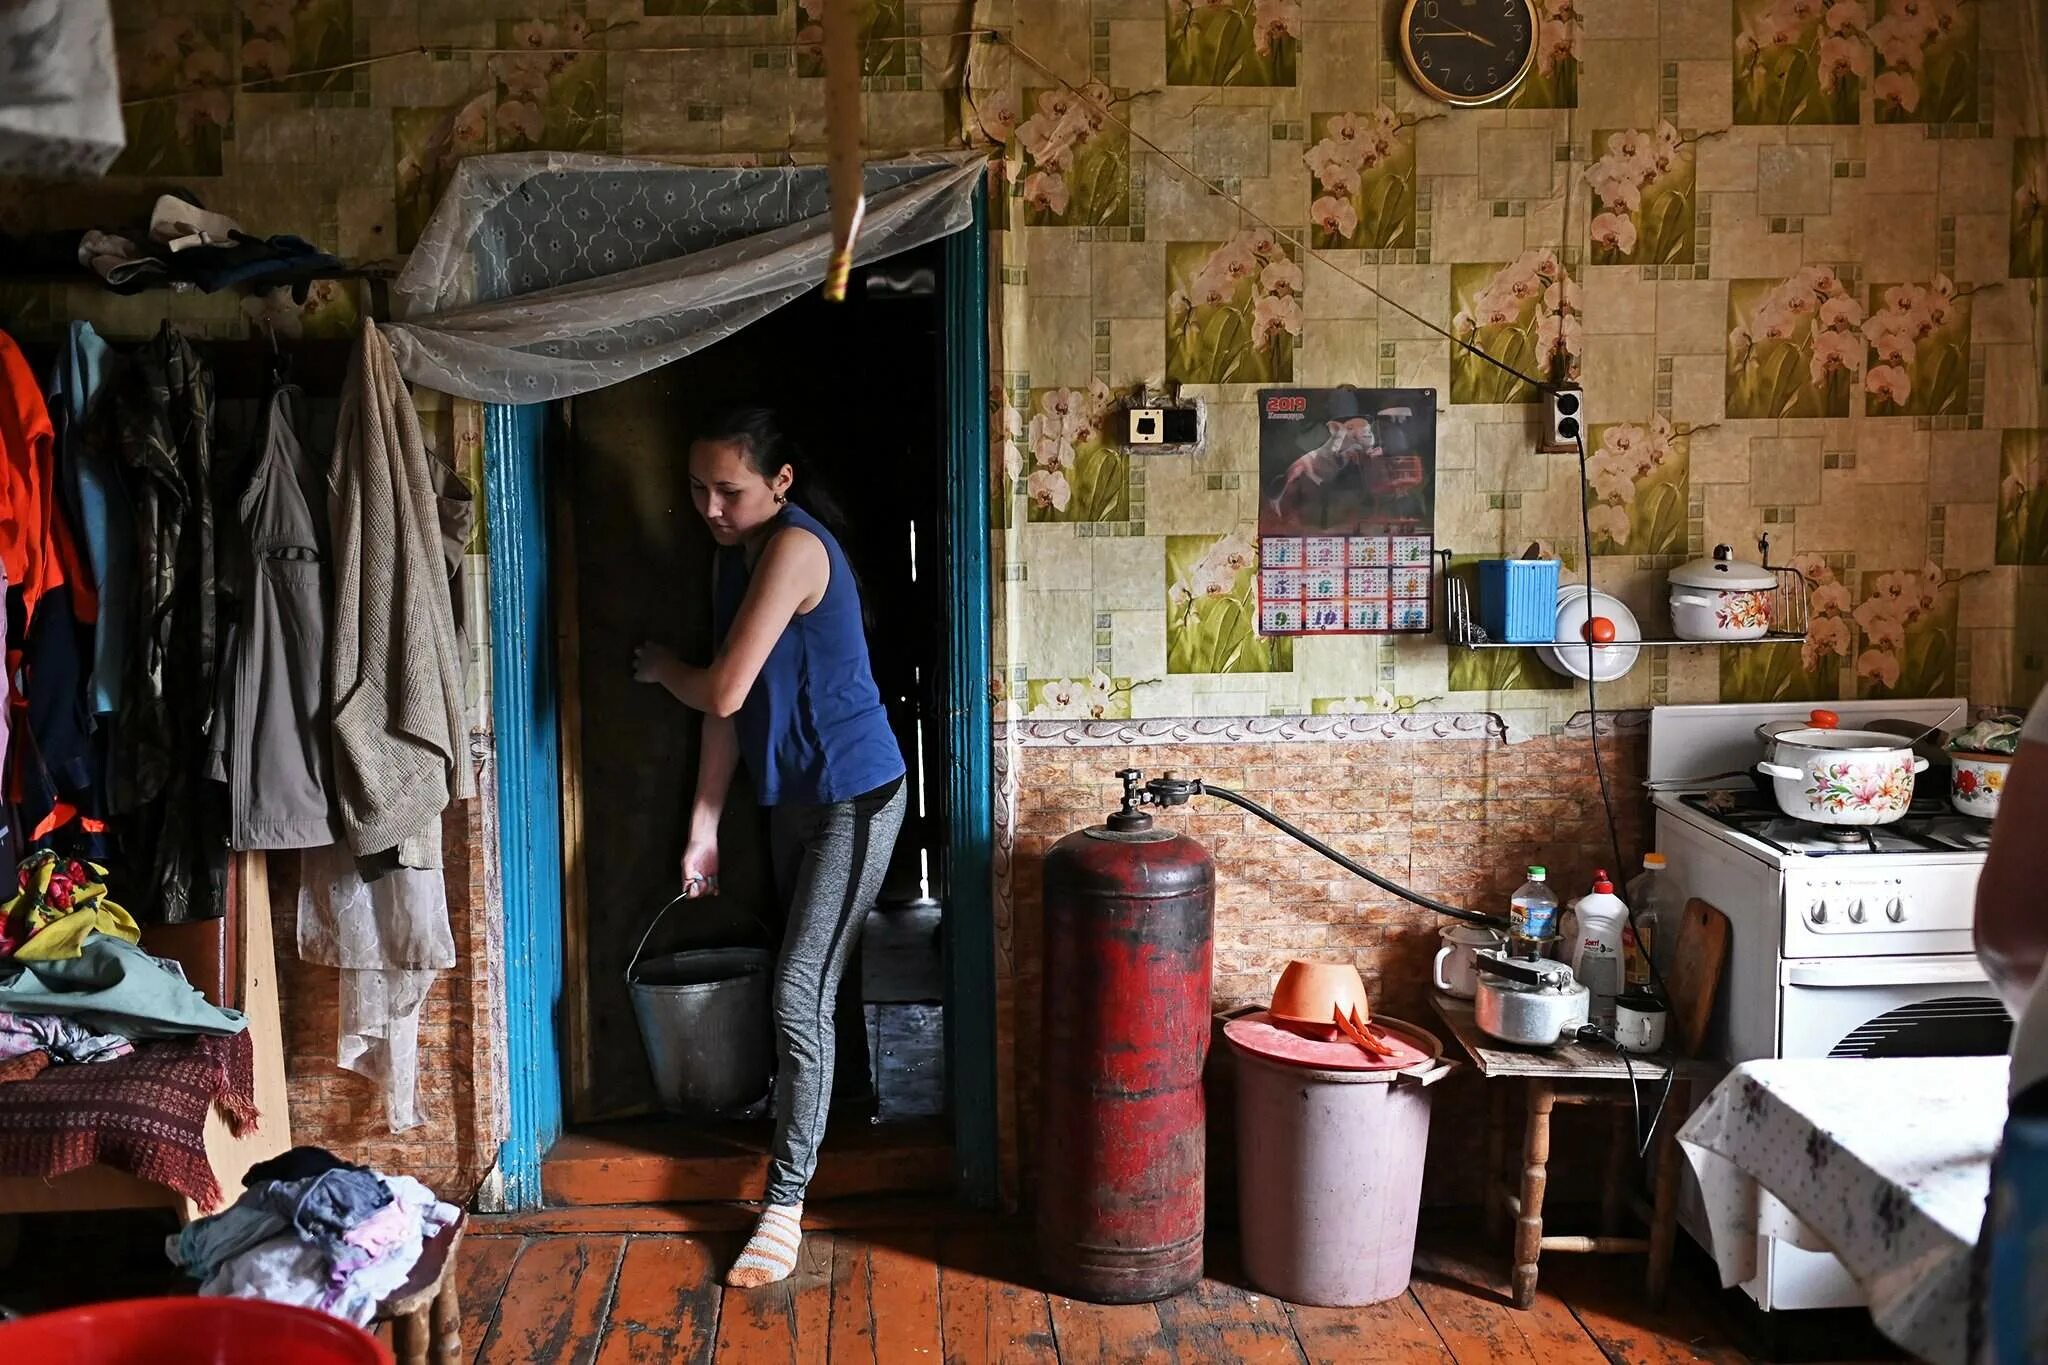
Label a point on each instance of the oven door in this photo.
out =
(1925, 1006)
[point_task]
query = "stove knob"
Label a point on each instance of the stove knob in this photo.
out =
(1817, 912)
(1856, 912)
(1895, 910)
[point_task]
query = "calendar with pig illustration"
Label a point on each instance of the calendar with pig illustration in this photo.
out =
(1347, 482)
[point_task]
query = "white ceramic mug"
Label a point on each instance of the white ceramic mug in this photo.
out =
(1639, 1023)
(1453, 972)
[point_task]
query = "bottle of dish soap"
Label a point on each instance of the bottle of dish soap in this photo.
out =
(1596, 946)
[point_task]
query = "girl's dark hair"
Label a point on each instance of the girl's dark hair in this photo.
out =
(758, 432)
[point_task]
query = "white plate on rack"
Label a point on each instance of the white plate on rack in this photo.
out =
(1607, 662)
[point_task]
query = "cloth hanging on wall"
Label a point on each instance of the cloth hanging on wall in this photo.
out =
(89, 480)
(595, 269)
(35, 544)
(272, 731)
(394, 678)
(387, 938)
(157, 415)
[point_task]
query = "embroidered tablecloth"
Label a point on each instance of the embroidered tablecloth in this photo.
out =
(1885, 1162)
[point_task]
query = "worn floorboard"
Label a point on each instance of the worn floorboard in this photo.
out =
(1605, 1295)
(665, 1306)
(482, 1268)
(1470, 1308)
(966, 1296)
(554, 1307)
(985, 1314)
(1378, 1334)
(1100, 1334)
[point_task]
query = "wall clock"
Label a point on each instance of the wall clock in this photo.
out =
(1468, 52)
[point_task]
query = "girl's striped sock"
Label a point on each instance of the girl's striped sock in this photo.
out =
(770, 1253)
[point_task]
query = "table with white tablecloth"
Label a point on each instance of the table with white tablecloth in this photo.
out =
(1885, 1162)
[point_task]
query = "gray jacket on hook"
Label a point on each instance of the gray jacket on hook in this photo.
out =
(273, 722)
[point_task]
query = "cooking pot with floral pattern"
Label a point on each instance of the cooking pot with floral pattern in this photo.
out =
(1721, 598)
(1975, 782)
(1841, 777)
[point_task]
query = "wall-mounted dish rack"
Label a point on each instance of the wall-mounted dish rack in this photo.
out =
(1788, 613)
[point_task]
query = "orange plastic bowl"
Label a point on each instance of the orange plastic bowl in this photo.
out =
(1312, 993)
(189, 1331)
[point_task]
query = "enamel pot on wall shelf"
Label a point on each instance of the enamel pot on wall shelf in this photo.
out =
(1721, 598)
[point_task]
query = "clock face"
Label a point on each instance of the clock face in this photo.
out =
(1468, 51)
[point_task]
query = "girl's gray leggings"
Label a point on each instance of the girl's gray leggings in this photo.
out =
(831, 861)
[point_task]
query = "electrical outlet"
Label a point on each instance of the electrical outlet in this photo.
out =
(1168, 429)
(1147, 427)
(1565, 412)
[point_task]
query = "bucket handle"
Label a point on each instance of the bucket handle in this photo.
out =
(634, 961)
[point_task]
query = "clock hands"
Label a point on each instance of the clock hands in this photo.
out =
(1455, 32)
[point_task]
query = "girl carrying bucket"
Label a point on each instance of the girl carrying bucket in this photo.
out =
(790, 692)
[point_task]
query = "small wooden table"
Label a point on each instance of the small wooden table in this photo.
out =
(1573, 1073)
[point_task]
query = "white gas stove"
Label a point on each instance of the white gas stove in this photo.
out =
(1843, 943)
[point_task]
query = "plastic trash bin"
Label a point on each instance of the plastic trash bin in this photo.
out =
(1329, 1165)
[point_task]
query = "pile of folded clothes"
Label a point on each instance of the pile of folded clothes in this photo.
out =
(311, 1229)
(75, 986)
(181, 245)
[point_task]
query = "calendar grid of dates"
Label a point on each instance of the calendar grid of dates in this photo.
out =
(1345, 585)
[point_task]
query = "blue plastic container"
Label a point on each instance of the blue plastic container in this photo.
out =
(1518, 600)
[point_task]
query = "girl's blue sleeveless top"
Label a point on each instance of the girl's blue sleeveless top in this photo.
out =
(812, 731)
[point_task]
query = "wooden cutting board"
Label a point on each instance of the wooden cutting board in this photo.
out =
(1697, 959)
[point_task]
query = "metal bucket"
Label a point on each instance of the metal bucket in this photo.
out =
(704, 1023)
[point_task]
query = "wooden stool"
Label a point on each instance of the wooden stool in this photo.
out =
(425, 1313)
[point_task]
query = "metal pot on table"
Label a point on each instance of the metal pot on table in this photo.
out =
(1532, 1002)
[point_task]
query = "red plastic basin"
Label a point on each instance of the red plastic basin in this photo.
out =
(188, 1331)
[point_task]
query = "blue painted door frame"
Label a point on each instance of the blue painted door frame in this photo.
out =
(524, 699)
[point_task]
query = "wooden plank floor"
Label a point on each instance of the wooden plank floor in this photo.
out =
(961, 1296)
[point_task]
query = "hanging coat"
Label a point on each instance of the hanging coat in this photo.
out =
(274, 725)
(395, 666)
(159, 416)
(89, 481)
(35, 544)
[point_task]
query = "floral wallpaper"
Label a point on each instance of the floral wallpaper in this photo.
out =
(1791, 248)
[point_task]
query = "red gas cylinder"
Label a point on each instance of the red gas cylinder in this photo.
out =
(1128, 911)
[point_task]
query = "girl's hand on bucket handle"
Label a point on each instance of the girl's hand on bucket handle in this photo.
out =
(700, 870)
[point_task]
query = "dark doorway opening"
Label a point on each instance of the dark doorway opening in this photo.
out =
(862, 386)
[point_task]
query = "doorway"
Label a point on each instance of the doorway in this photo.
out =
(526, 752)
(862, 387)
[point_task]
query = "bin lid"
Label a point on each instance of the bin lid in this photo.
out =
(1257, 1034)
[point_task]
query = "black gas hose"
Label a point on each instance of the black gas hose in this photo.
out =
(1174, 791)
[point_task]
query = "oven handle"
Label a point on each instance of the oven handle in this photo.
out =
(1964, 970)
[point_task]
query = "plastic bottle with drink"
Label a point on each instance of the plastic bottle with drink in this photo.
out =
(1532, 911)
(1647, 939)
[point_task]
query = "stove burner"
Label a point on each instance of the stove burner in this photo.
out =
(1929, 826)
